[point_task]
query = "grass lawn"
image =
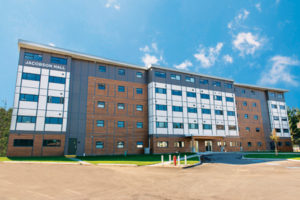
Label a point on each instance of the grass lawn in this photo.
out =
(280, 156)
(37, 159)
(133, 159)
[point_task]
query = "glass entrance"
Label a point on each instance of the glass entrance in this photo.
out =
(208, 145)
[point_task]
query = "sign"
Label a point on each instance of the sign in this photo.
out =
(45, 65)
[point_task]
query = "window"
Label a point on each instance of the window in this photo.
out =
(26, 119)
(100, 123)
(276, 118)
(279, 144)
(191, 94)
(53, 120)
(190, 79)
(55, 79)
(284, 119)
(274, 106)
(120, 145)
(248, 129)
(177, 125)
(161, 124)
(160, 74)
(257, 129)
(272, 94)
(217, 84)
(193, 126)
(139, 125)
(32, 77)
(51, 143)
(160, 90)
(121, 106)
(162, 144)
(101, 86)
(176, 92)
(228, 85)
(121, 124)
(206, 111)
(102, 69)
(177, 108)
(161, 107)
(232, 128)
(139, 107)
(121, 88)
(139, 75)
(246, 116)
(62, 61)
(175, 77)
(229, 99)
(29, 97)
(204, 96)
(139, 145)
(179, 144)
(244, 103)
(203, 81)
(287, 144)
(259, 144)
(278, 130)
(249, 144)
(101, 104)
(191, 110)
(139, 90)
(280, 96)
(207, 126)
(121, 72)
(99, 145)
(243, 91)
(233, 144)
(254, 104)
(230, 113)
(282, 107)
(255, 117)
(219, 112)
(23, 142)
(220, 127)
(252, 92)
(57, 100)
(286, 130)
(218, 98)
(33, 56)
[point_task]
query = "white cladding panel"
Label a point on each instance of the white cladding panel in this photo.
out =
(185, 117)
(278, 112)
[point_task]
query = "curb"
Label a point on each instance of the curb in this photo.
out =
(270, 159)
(119, 165)
(36, 162)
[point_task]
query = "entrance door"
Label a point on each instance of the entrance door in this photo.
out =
(196, 146)
(208, 145)
(72, 146)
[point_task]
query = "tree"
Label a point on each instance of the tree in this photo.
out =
(5, 119)
(275, 138)
(294, 118)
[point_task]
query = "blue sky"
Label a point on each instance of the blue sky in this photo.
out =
(254, 42)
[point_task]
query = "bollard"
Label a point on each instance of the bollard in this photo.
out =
(162, 159)
(178, 160)
(185, 161)
(170, 160)
(174, 160)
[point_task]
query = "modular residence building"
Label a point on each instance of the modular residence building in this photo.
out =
(73, 103)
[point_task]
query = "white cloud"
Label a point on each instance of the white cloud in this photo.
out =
(242, 16)
(258, 7)
(149, 60)
(247, 43)
(279, 71)
(277, 1)
(208, 56)
(113, 4)
(51, 44)
(152, 54)
(184, 65)
(227, 59)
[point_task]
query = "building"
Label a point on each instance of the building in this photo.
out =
(72, 103)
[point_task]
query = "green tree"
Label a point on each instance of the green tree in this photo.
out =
(294, 118)
(5, 118)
